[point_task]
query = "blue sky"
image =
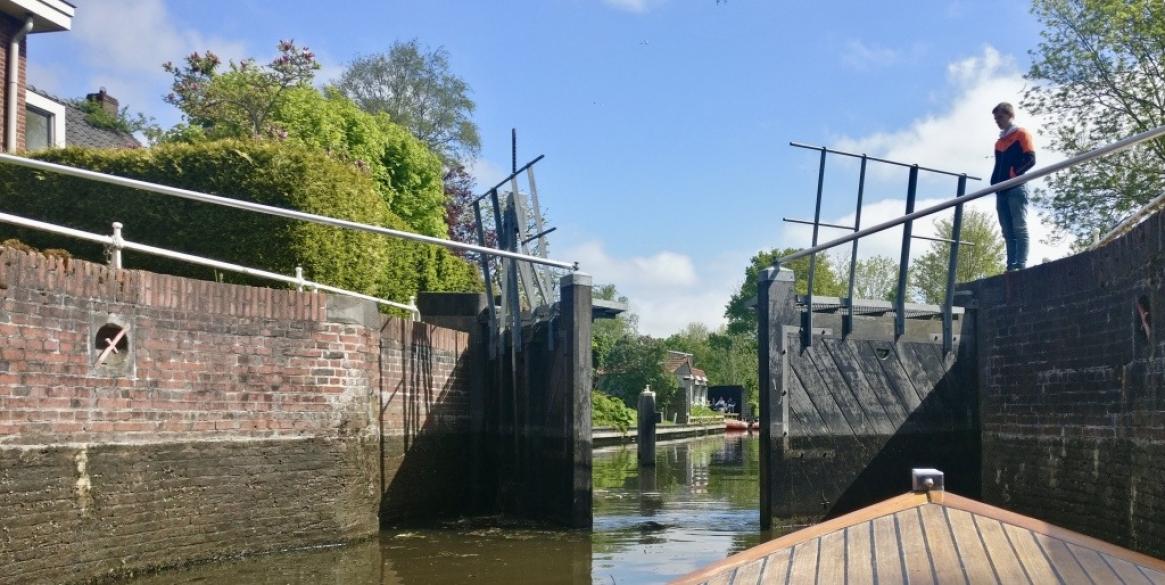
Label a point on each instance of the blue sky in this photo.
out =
(665, 123)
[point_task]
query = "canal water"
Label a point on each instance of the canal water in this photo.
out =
(698, 505)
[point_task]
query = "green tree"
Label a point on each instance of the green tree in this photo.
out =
(742, 316)
(633, 363)
(415, 87)
(875, 277)
(605, 332)
(408, 175)
(985, 257)
(733, 361)
(693, 339)
(277, 102)
(237, 103)
(1099, 76)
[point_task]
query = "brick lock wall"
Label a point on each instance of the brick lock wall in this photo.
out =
(241, 420)
(1073, 390)
(427, 446)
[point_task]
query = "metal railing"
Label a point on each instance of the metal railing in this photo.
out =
(847, 319)
(271, 210)
(513, 256)
(116, 244)
(958, 202)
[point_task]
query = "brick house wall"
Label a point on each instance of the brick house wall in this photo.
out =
(234, 419)
(1072, 385)
(9, 26)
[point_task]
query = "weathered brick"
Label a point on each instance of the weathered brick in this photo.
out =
(1071, 390)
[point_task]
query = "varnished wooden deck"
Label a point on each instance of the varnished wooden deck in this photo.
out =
(932, 539)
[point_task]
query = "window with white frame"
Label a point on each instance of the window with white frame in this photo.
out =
(44, 122)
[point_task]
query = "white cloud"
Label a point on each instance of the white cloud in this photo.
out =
(957, 139)
(486, 173)
(637, 6)
(666, 289)
(45, 77)
(122, 45)
(889, 242)
(138, 35)
(659, 271)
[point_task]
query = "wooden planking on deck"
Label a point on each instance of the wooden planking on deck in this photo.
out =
(960, 541)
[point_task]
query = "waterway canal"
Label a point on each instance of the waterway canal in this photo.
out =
(699, 505)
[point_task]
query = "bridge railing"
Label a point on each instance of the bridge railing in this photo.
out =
(117, 243)
(957, 202)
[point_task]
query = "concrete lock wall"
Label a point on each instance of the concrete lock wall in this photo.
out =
(232, 420)
(845, 418)
(1073, 390)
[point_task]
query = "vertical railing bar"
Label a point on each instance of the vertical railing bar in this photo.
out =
(514, 295)
(539, 225)
(530, 282)
(952, 271)
(904, 263)
(116, 246)
(489, 287)
(847, 325)
(503, 267)
(807, 320)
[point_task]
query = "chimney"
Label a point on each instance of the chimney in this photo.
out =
(108, 102)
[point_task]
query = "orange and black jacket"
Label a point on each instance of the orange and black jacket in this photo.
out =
(1015, 154)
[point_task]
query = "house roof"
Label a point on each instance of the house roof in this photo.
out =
(47, 15)
(79, 132)
(933, 537)
(674, 360)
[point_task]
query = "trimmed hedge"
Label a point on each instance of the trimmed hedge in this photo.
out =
(279, 174)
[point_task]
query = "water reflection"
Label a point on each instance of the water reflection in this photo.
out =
(697, 505)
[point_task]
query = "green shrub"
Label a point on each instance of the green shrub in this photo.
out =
(608, 411)
(701, 411)
(407, 174)
(279, 174)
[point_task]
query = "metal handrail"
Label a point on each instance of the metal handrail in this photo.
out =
(1131, 221)
(118, 243)
(881, 160)
(1008, 184)
(270, 210)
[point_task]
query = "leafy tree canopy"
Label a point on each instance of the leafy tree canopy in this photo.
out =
(1099, 76)
(875, 277)
(415, 87)
(277, 102)
(986, 256)
(742, 317)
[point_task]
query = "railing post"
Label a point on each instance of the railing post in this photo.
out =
(299, 280)
(645, 427)
(488, 278)
(116, 246)
(575, 381)
(904, 263)
(776, 308)
(807, 319)
(952, 271)
(847, 320)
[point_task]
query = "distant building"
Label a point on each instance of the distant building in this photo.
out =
(53, 123)
(692, 382)
(18, 19)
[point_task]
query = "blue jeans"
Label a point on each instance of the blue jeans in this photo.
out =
(1012, 207)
